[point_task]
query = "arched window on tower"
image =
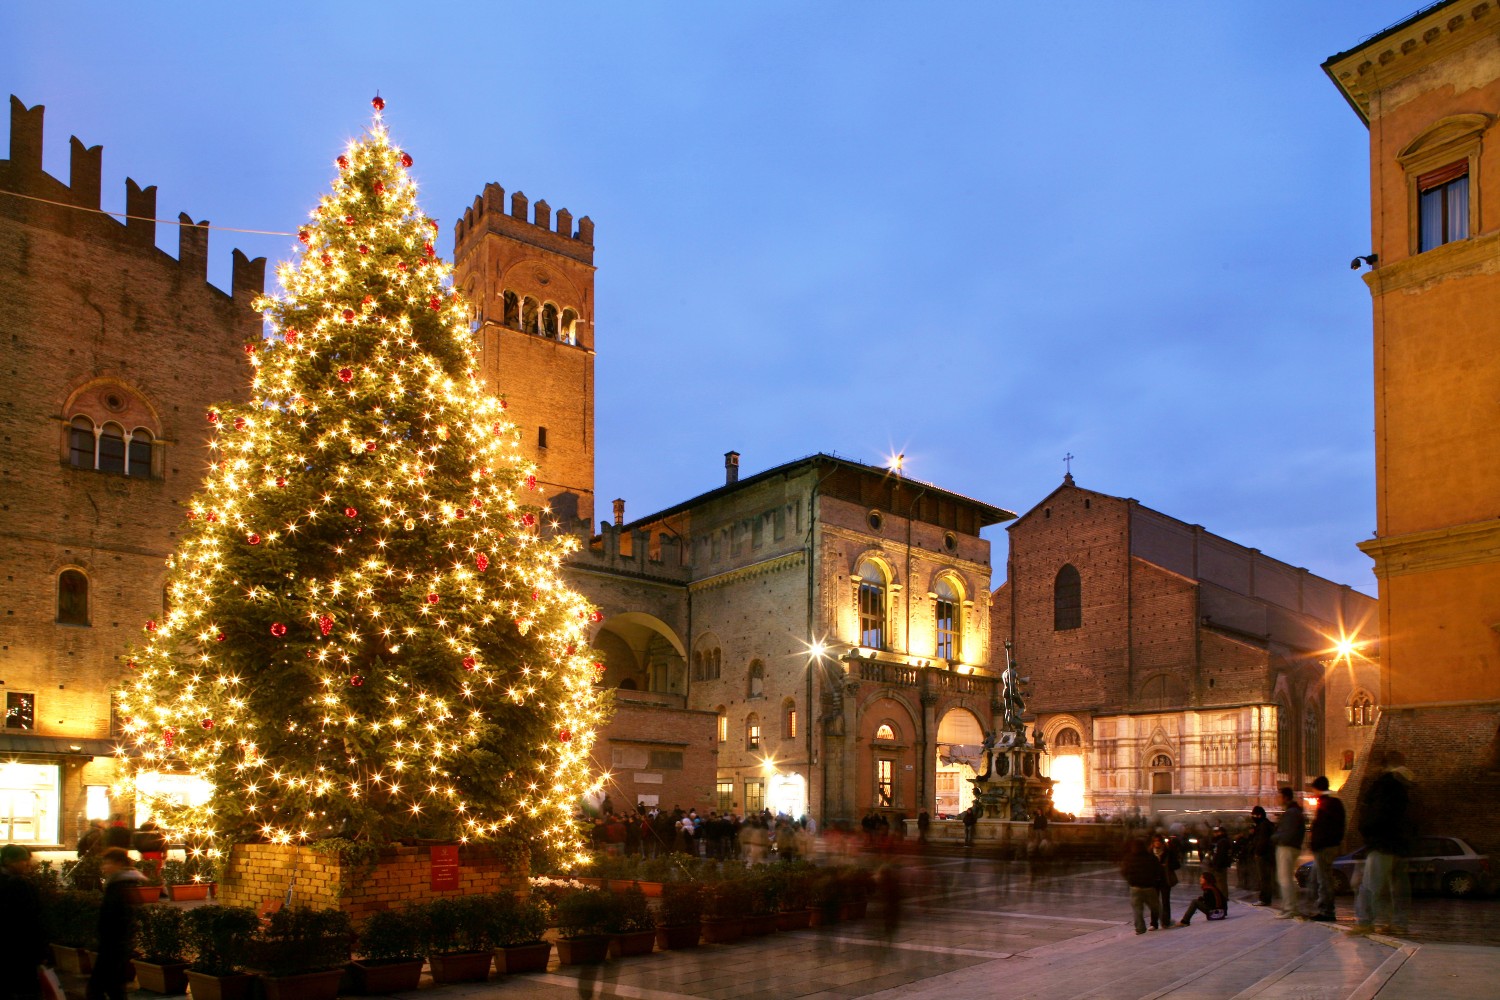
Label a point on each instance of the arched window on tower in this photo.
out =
(872, 590)
(948, 608)
(756, 687)
(139, 455)
(549, 321)
(1067, 599)
(568, 332)
(752, 732)
(529, 315)
(112, 448)
(1361, 709)
(81, 443)
(511, 306)
(72, 598)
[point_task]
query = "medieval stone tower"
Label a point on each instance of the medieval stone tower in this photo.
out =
(531, 285)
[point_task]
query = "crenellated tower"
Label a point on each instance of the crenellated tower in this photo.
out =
(530, 280)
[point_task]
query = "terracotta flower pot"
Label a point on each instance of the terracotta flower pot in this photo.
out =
(760, 925)
(70, 959)
(679, 937)
(532, 957)
(591, 949)
(793, 920)
(188, 891)
(306, 986)
(143, 893)
(464, 967)
(167, 978)
(723, 930)
(396, 975)
(206, 987)
(632, 943)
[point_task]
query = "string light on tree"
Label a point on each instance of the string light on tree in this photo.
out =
(362, 593)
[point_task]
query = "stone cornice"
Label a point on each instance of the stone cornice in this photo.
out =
(1445, 548)
(890, 547)
(1409, 48)
(1461, 258)
(765, 567)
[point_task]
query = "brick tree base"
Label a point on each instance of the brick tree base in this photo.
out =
(259, 873)
(1453, 753)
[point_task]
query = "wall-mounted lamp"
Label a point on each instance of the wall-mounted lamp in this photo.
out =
(1371, 259)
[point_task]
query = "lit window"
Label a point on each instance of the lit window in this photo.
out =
(1443, 206)
(752, 732)
(20, 710)
(1361, 710)
(885, 783)
(1067, 599)
(723, 725)
(872, 584)
(885, 732)
(948, 620)
(72, 598)
(725, 790)
(755, 797)
(789, 720)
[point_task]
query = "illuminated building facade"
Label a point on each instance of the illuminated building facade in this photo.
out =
(1429, 90)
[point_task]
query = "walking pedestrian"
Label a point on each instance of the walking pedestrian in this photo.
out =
(1325, 836)
(116, 927)
(1262, 855)
(23, 930)
(1387, 822)
(1166, 855)
(924, 824)
(1145, 877)
(1220, 860)
(1290, 831)
(971, 818)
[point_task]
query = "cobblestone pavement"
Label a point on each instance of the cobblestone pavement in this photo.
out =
(972, 928)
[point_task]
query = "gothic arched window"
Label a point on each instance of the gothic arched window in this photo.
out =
(948, 609)
(72, 598)
(872, 590)
(81, 443)
(112, 448)
(1361, 709)
(139, 455)
(1067, 599)
(756, 686)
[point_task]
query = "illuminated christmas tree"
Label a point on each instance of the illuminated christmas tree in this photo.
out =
(367, 635)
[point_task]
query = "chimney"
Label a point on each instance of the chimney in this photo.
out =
(619, 512)
(731, 467)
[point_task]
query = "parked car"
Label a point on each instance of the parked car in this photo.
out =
(1439, 864)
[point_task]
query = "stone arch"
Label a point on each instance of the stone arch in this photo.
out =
(886, 772)
(874, 598)
(960, 739)
(644, 649)
(510, 309)
(1161, 691)
(708, 657)
(74, 596)
(1159, 765)
(1359, 709)
(125, 425)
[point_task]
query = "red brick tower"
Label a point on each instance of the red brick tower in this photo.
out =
(532, 290)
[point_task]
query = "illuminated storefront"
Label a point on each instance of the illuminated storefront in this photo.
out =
(29, 796)
(156, 789)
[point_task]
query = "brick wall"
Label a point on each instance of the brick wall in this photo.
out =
(257, 873)
(649, 730)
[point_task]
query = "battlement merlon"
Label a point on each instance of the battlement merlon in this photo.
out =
(23, 174)
(525, 223)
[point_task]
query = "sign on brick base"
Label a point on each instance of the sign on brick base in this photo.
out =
(258, 873)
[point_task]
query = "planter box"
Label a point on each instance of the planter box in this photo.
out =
(143, 893)
(760, 924)
(853, 911)
(169, 978)
(398, 975)
(723, 930)
(651, 890)
(206, 987)
(793, 920)
(465, 967)
(632, 943)
(824, 916)
(70, 959)
(189, 890)
(307, 986)
(590, 949)
(677, 938)
(533, 957)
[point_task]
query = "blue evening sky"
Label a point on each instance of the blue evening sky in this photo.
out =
(985, 234)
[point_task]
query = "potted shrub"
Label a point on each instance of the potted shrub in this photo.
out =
(827, 892)
(680, 921)
(217, 936)
(634, 930)
(763, 900)
(794, 895)
(857, 884)
(391, 952)
(73, 915)
(585, 919)
(459, 946)
(301, 953)
(161, 943)
(149, 889)
(518, 926)
(185, 880)
(725, 903)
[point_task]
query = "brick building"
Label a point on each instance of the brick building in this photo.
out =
(1173, 669)
(1429, 90)
(113, 352)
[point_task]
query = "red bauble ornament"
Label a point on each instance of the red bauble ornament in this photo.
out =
(379, 188)
(428, 250)
(536, 595)
(278, 629)
(406, 159)
(432, 598)
(169, 737)
(327, 260)
(566, 735)
(482, 562)
(239, 423)
(348, 315)
(504, 405)
(151, 625)
(378, 103)
(281, 480)
(220, 637)
(496, 428)
(367, 300)
(363, 248)
(572, 649)
(469, 663)
(213, 417)
(192, 515)
(350, 512)
(207, 723)
(130, 665)
(249, 349)
(596, 615)
(459, 513)
(357, 681)
(531, 482)
(325, 624)
(290, 336)
(369, 446)
(211, 517)
(253, 538)
(401, 265)
(346, 374)
(348, 220)
(304, 236)
(436, 302)
(528, 519)
(343, 162)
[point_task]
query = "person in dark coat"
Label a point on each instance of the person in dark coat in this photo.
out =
(1387, 822)
(1325, 836)
(118, 834)
(924, 824)
(1208, 901)
(1262, 854)
(1145, 876)
(971, 818)
(1290, 831)
(116, 927)
(1220, 860)
(1165, 852)
(23, 931)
